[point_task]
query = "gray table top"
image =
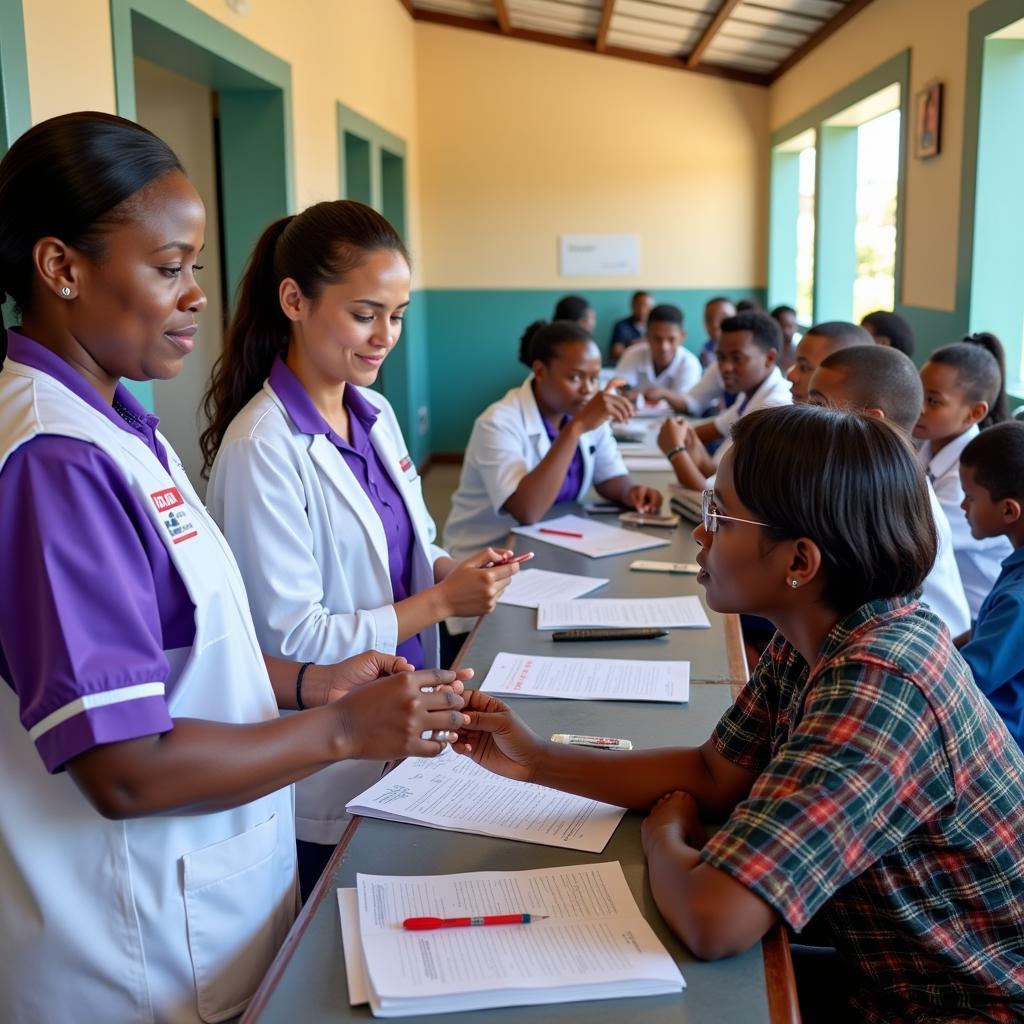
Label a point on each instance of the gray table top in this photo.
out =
(307, 982)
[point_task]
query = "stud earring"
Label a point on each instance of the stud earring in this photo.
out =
(794, 584)
(66, 292)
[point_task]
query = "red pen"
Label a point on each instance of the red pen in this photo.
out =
(561, 533)
(426, 924)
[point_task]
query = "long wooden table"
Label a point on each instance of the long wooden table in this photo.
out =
(307, 983)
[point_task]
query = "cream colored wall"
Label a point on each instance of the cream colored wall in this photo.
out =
(361, 52)
(521, 142)
(938, 51)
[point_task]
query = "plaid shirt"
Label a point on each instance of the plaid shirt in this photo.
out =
(890, 797)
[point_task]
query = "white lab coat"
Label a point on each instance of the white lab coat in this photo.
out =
(314, 557)
(170, 919)
(509, 441)
(636, 368)
(943, 590)
(979, 561)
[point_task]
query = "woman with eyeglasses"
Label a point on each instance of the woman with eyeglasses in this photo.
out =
(861, 779)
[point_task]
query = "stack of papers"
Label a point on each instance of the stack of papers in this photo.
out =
(589, 537)
(647, 463)
(528, 675)
(531, 586)
(624, 612)
(594, 943)
(451, 792)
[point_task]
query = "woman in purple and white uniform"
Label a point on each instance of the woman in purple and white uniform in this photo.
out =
(147, 865)
(312, 482)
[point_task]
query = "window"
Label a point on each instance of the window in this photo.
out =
(997, 299)
(835, 194)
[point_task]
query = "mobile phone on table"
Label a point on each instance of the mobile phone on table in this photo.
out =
(665, 520)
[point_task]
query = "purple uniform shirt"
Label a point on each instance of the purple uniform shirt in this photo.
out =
(370, 473)
(91, 599)
(574, 474)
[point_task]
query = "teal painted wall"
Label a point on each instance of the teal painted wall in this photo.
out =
(472, 336)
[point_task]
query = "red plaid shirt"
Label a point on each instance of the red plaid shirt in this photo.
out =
(889, 798)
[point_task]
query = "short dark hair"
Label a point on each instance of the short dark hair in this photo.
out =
(749, 306)
(849, 482)
(779, 310)
(639, 295)
(666, 313)
(841, 333)
(892, 326)
(880, 378)
(541, 339)
(766, 331)
(717, 299)
(997, 457)
(571, 307)
(981, 370)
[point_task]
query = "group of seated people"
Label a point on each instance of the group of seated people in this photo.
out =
(866, 786)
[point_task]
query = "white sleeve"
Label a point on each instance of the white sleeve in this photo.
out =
(627, 367)
(608, 462)
(724, 420)
(688, 373)
(499, 460)
(263, 515)
(707, 390)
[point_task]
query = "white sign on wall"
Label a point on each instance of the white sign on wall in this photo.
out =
(599, 255)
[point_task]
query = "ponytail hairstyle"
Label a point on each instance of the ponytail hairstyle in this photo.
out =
(981, 371)
(540, 341)
(316, 248)
(68, 177)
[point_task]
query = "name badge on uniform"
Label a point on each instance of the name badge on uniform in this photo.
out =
(174, 514)
(407, 466)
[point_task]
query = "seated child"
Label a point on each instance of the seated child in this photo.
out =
(659, 367)
(963, 393)
(890, 330)
(630, 329)
(883, 382)
(862, 780)
(817, 344)
(785, 317)
(992, 477)
(547, 440)
(747, 352)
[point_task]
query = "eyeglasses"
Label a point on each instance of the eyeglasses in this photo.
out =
(710, 515)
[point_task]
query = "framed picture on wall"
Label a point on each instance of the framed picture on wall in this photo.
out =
(928, 121)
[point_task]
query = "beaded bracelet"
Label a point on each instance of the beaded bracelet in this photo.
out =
(298, 686)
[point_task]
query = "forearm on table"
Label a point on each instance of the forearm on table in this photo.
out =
(634, 779)
(688, 473)
(538, 490)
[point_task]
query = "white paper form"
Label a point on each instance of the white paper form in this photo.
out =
(647, 463)
(531, 586)
(528, 675)
(451, 792)
(623, 612)
(352, 944)
(594, 943)
(594, 539)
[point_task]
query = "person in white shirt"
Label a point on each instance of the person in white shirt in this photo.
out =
(785, 316)
(883, 382)
(659, 368)
(546, 441)
(746, 358)
(963, 394)
(816, 345)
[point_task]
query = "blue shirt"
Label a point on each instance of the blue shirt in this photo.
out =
(995, 652)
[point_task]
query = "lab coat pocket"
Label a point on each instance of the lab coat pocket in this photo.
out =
(236, 922)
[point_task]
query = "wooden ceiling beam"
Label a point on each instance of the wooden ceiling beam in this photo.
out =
(501, 13)
(407, 4)
(587, 46)
(601, 42)
(694, 56)
(853, 8)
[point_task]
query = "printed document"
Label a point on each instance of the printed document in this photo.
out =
(451, 792)
(623, 612)
(531, 586)
(529, 675)
(589, 537)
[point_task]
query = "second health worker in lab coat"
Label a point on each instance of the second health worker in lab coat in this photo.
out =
(312, 482)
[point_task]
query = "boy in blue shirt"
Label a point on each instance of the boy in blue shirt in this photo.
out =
(992, 475)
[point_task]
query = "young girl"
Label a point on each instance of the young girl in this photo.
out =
(863, 780)
(148, 868)
(963, 394)
(312, 483)
(546, 441)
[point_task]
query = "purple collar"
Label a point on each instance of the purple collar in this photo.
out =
(305, 415)
(24, 350)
